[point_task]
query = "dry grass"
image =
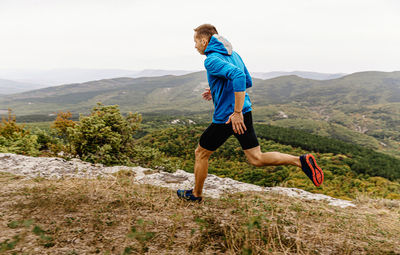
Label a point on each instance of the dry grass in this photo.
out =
(116, 216)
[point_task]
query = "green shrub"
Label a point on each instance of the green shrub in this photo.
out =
(45, 139)
(153, 158)
(15, 139)
(105, 136)
(20, 144)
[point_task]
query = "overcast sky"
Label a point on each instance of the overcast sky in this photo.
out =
(285, 35)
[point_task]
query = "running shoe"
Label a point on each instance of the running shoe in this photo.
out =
(311, 169)
(188, 195)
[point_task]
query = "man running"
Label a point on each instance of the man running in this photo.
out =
(228, 79)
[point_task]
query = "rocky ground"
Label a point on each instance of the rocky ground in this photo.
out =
(55, 168)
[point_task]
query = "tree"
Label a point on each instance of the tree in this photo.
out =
(105, 136)
(61, 123)
(15, 139)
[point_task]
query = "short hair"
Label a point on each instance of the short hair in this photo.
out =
(206, 30)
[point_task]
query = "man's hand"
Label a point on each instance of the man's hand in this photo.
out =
(207, 94)
(237, 123)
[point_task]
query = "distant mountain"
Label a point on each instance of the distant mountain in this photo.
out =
(145, 93)
(11, 87)
(302, 74)
(159, 72)
(61, 76)
(363, 108)
(55, 77)
(173, 92)
(35, 79)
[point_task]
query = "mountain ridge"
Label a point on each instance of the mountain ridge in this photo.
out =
(12, 87)
(357, 74)
(55, 77)
(302, 74)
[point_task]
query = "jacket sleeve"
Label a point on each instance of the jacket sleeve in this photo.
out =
(249, 81)
(218, 67)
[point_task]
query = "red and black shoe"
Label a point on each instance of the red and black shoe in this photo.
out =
(311, 169)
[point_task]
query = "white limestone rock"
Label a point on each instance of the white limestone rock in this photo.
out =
(55, 168)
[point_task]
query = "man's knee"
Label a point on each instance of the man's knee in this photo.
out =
(202, 153)
(253, 156)
(255, 160)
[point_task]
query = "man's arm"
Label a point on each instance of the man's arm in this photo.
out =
(239, 101)
(221, 68)
(236, 117)
(218, 67)
(249, 82)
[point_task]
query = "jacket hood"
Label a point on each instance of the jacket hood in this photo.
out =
(219, 44)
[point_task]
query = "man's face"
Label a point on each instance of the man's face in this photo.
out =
(200, 43)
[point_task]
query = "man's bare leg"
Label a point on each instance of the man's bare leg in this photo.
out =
(200, 169)
(257, 158)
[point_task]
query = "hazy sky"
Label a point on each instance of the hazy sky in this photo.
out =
(286, 35)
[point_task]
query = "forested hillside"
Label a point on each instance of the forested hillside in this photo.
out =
(361, 108)
(349, 169)
(106, 136)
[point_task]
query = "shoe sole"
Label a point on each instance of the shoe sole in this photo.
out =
(317, 173)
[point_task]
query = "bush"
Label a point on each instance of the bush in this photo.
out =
(15, 139)
(61, 124)
(50, 144)
(105, 136)
(153, 158)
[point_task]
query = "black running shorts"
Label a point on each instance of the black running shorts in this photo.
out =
(216, 134)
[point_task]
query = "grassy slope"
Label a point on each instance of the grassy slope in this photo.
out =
(116, 216)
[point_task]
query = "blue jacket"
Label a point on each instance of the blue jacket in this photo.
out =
(226, 74)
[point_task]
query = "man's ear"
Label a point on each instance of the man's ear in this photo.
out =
(204, 41)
